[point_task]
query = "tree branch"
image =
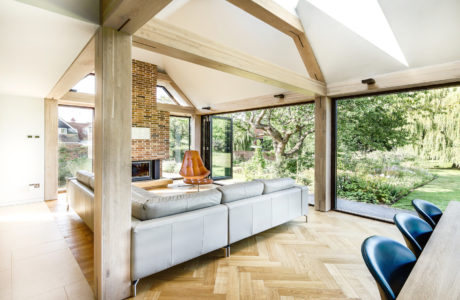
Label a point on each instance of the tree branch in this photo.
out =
(299, 143)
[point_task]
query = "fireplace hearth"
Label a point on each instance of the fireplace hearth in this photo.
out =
(145, 170)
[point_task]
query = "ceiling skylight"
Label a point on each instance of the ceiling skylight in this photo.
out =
(365, 18)
(86, 85)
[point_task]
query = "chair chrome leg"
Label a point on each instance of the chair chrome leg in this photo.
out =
(227, 251)
(134, 287)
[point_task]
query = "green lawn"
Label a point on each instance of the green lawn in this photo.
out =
(221, 163)
(439, 191)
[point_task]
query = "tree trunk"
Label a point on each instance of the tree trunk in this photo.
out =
(279, 151)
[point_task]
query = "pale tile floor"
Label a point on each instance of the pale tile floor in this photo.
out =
(35, 261)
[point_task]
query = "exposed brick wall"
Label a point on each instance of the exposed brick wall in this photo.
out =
(145, 114)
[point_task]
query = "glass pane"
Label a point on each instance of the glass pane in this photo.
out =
(397, 147)
(221, 147)
(179, 142)
(273, 143)
(86, 85)
(75, 141)
(163, 96)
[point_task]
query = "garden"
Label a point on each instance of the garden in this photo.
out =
(390, 148)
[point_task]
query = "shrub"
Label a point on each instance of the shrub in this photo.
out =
(371, 190)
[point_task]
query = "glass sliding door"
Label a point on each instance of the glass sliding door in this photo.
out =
(221, 147)
(179, 142)
(75, 125)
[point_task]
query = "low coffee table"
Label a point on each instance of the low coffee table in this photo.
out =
(179, 187)
(153, 184)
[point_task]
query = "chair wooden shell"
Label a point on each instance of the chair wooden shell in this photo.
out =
(193, 170)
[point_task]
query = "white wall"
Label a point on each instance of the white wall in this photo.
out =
(21, 158)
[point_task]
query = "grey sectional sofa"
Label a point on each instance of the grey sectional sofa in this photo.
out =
(169, 230)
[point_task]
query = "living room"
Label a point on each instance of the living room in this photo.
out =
(226, 149)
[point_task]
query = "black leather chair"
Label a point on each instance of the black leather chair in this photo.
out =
(389, 262)
(416, 232)
(427, 211)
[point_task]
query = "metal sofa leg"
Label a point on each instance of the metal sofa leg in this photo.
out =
(306, 219)
(134, 287)
(227, 251)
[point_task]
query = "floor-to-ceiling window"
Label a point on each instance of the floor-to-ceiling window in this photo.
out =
(75, 141)
(273, 142)
(397, 147)
(179, 142)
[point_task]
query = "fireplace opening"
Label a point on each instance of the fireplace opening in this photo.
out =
(145, 170)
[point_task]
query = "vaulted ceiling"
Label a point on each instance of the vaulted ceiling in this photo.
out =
(37, 46)
(351, 40)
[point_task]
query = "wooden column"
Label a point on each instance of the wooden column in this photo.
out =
(51, 149)
(112, 165)
(195, 134)
(323, 151)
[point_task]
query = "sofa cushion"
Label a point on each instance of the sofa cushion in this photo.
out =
(146, 205)
(85, 177)
(278, 184)
(238, 191)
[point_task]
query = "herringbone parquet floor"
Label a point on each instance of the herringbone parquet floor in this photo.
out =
(320, 259)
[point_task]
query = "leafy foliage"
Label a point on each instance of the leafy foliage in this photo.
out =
(371, 123)
(72, 157)
(179, 138)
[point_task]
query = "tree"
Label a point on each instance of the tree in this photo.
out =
(242, 136)
(372, 123)
(178, 137)
(286, 126)
(436, 128)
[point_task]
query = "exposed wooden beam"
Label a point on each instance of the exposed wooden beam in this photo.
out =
(407, 79)
(164, 78)
(276, 16)
(177, 109)
(81, 66)
(271, 13)
(257, 102)
(308, 56)
(164, 38)
(77, 99)
(130, 15)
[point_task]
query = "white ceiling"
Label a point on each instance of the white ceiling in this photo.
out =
(228, 25)
(37, 47)
(426, 31)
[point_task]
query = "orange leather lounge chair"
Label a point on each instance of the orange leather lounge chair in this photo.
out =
(193, 170)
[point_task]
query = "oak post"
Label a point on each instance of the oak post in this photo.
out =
(112, 193)
(51, 149)
(323, 158)
(195, 134)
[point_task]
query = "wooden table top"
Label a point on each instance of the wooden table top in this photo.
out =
(436, 274)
